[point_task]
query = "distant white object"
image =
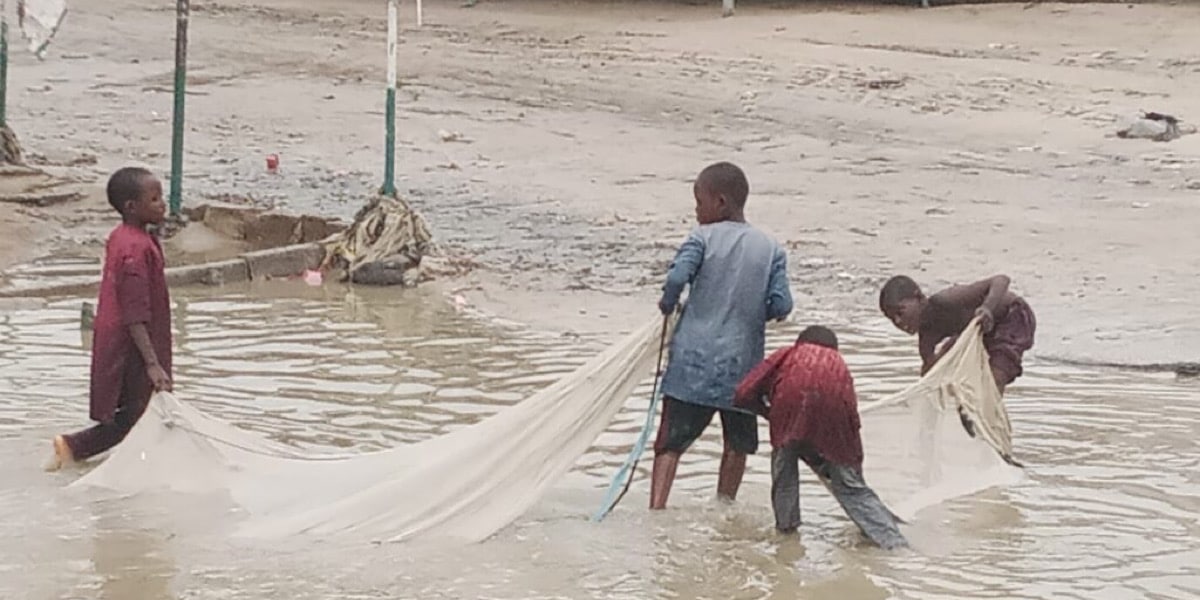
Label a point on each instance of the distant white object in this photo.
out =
(1155, 126)
(39, 21)
(313, 278)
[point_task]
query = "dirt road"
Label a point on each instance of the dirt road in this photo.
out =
(948, 144)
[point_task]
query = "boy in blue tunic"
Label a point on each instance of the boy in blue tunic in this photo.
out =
(738, 281)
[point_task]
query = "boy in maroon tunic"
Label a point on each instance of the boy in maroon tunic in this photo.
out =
(131, 352)
(807, 395)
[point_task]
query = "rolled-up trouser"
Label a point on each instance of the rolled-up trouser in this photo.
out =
(102, 437)
(846, 484)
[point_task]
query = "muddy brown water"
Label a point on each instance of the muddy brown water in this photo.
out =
(1109, 508)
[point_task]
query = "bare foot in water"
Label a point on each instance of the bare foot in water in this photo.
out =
(62, 455)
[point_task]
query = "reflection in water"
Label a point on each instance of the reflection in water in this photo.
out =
(130, 559)
(1108, 510)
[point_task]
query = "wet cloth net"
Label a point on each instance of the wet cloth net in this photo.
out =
(470, 483)
(464, 485)
(40, 20)
(916, 449)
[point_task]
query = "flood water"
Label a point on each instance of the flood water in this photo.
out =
(1110, 507)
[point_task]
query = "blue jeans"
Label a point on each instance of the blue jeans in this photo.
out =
(846, 484)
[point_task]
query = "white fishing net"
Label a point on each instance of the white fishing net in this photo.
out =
(917, 451)
(39, 21)
(464, 485)
(470, 483)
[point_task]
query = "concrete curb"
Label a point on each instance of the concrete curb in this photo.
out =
(286, 261)
(283, 262)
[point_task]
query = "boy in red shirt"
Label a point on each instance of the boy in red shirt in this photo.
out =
(131, 351)
(807, 394)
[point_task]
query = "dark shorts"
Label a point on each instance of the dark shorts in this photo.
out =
(1009, 340)
(683, 422)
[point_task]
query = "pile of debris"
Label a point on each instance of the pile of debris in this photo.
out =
(10, 147)
(384, 245)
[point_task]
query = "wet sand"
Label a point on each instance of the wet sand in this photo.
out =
(984, 146)
(1107, 510)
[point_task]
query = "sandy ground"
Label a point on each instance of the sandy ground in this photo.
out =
(949, 144)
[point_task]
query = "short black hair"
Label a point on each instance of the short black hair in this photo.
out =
(726, 179)
(125, 186)
(821, 336)
(896, 290)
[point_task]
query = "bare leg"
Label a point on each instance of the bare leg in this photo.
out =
(1001, 379)
(729, 479)
(1001, 383)
(662, 475)
(966, 422)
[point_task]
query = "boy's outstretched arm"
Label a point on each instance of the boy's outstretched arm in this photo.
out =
(985, 297)
(753, 391)
(779, 291)
(683, 270)
(926, 345)
(996, 294)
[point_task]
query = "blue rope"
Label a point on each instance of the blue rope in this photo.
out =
(614, 488)
(612, 496)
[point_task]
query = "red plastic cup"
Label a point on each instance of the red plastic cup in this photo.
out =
(272, 163)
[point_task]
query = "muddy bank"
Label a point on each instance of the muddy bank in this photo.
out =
(1182, 370)
(554, 143)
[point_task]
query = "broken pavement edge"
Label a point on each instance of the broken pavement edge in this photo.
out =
(286, 261)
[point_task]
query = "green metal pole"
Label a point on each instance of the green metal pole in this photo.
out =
(3, 64)
(389, 165)
(182, 11)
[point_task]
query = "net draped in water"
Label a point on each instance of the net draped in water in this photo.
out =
(470, 483)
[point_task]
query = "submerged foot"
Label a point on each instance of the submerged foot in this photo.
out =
(62, 455)
(1008, 458)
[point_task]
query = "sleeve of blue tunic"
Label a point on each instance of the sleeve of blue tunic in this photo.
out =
(779, 291)
(682, 272)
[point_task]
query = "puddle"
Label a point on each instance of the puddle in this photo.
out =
(1108, 510)
(52, 270)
